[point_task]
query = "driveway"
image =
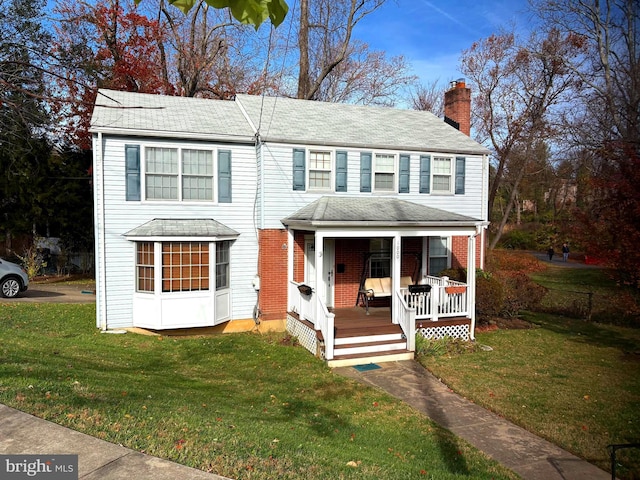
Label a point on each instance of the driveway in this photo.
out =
(61, 292)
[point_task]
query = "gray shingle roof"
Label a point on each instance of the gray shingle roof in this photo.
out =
(161, 227)
(376, 211)
(338, 124)
(159, 115)
(285, 120)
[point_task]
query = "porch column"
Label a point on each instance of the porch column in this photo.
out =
(471, 282)
(319, 262)
(396, 272)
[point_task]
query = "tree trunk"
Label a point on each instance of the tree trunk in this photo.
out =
(303, 47)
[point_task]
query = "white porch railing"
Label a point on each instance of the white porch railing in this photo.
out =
(406, 318)
(312, 308)
(447, 298)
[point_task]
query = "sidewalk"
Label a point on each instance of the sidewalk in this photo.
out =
(526, 454)
(21, 433)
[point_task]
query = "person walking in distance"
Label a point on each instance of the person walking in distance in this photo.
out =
(565, 251)
(550, 253)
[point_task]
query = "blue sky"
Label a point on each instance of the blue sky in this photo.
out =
(432, 34)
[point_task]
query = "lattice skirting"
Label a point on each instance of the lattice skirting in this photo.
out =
(305, 335)
(436, 331)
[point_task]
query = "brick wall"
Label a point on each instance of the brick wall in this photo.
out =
(272, 269)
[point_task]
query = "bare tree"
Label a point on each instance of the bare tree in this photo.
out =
(325, 33)
(429, 98)
(518, 86)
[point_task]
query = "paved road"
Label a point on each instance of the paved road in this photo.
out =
(60, 292)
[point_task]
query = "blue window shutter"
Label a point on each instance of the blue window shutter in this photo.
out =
(425, 174)
(132, 172)
(298, 169)
(365, 172)
(341, 171)
(404, 173)
(460, 170)
(224, 176)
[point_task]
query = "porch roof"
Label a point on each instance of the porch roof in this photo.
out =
(204, 228)
(374, 212)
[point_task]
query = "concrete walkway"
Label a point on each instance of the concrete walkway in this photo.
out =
(21, 433)
(526, 454)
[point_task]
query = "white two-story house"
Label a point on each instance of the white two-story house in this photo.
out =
(330, 220)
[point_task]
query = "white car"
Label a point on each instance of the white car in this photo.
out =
(13, 279)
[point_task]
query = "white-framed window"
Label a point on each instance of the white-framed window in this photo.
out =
(380, 257)
(438, 254)
(185, 266)
(320, 170)
(178, 174)
(145, 267)
(222, 265)
(442, 174)
(197, 174)
(384, 172)
(161, 173)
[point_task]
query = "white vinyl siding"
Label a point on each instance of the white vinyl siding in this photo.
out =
(120, 216)
(280, 200)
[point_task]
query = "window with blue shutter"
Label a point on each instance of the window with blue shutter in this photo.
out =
(365, 172)
(132, 172)
(299, 172)
(460, 171)
(403, 179)
(341, 171)
(425, 174)
(224, 176)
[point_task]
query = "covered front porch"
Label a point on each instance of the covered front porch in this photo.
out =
(353, 335)
(335, 259)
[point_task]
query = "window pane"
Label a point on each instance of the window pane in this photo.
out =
(162, 187)
(320, 160)
(162, 160)
(384, 181)
(384, 163)
(442, 166)
(185, 266)
(441, 183)
(380, 257)
(320, 180)
(437, 265)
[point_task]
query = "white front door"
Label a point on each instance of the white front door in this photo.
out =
(328, 265)
(325, 290)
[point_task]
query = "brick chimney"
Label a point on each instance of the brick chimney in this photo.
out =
(457, 106)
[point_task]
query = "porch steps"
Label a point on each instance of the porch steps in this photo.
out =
(358, 345)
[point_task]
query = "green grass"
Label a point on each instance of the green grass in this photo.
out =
(573, 382)
(240, 405)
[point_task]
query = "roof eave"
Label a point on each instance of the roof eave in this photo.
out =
(369, 146)
(247, 139)
(377, 224)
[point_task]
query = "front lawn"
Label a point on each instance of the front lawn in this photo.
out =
(573, 382)
(240, 405)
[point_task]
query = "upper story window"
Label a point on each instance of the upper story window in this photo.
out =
(320, 170)
(384, 171)
(442, 174)
(177, 174)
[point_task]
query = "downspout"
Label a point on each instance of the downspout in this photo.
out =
(257, 205)
(100, 240)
